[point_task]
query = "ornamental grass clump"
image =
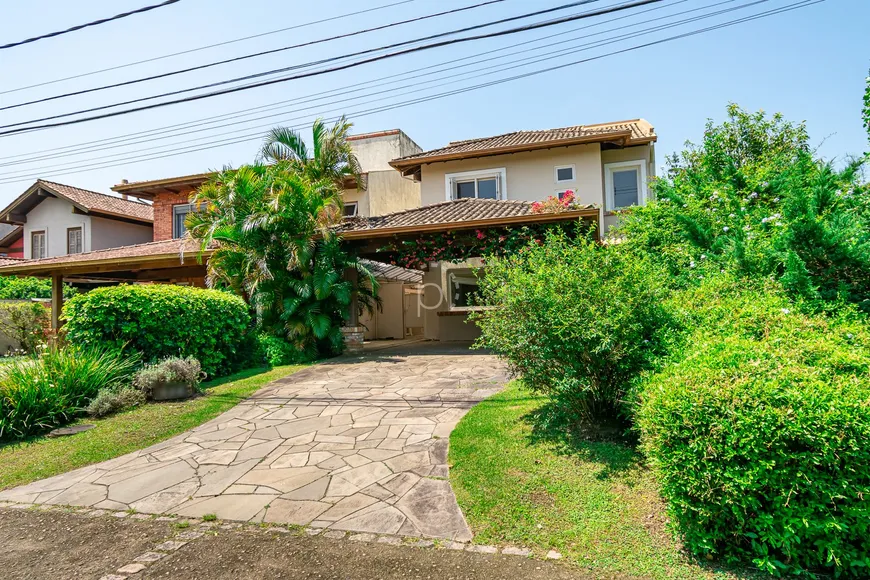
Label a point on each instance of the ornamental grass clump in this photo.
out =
(759, 430)
(38, 394)
(186, 371)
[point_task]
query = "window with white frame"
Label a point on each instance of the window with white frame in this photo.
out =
(463, 287)
(351, 209)
(625, 184)
(37, 245)
(74, 241)
(564, 173)
(484, 184)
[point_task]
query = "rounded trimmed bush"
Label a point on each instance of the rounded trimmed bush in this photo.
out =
(161, 321)
(760, 433)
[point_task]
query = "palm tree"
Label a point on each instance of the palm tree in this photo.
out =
(271, 230)
(331, 156)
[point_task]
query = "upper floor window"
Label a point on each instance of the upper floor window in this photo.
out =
(564, 173)
(74, 241)
(351, 209)
(484, 184)
(625, 184)
(179, 214)
(37, 245)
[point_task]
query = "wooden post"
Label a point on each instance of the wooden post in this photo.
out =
(56, 300)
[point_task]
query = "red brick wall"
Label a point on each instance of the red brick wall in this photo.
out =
(163, 203)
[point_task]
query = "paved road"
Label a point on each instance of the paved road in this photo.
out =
(356, 444)
(38, 545)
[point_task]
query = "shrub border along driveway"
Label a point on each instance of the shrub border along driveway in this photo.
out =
(128, 431)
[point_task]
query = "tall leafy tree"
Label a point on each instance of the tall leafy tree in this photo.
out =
(271, 230)
(330, 157)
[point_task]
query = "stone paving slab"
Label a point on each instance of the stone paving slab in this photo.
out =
(355, 444)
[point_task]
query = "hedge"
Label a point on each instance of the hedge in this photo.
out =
(161, 320)
(759, 432)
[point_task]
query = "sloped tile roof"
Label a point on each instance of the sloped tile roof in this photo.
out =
(633, 131)
(453, 213)
(100, 202)
(394, 273)
(185, 248)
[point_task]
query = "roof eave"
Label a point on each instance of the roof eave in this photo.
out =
(625, 136)
(37, 269)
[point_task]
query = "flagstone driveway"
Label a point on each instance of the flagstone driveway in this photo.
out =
(355, 444)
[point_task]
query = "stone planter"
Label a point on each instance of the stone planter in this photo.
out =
(171, 391)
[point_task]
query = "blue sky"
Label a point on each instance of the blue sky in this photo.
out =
(809, 64)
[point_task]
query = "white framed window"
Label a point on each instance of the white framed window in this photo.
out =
(351, 209)
(483, 184)
(563, 173)
(74, 240)
(625, 184)
(37, 245)
(463, 287)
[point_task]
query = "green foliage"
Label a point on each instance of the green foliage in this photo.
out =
(109, 401)
(169, 370)
(460, 245)
(25, 323)
(38, 394)
(162, 321)
(758, 431)
(331, 157)
(865, 113)
(752, 200)
(271, 228)
(576, 319)
(15, 288)
(277, 351)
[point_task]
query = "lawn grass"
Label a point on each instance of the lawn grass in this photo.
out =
(594, 502)
(128, 431)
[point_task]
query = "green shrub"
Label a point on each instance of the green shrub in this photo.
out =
(759, 431)
(277, 351)
(160, 321)
(25, 323)
(576, 319)
(37, 394)
(170, 370)
(27, 287)
(109, 401)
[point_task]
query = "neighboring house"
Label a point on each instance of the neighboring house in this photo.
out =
(473, 184)
(57, 220)
(11, 241)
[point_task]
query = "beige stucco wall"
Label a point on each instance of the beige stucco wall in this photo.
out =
(375, 153)
(386, 192)
(390, 322)
(445, 328)
(529, 176)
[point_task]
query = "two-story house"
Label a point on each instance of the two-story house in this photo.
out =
(471, 184)
(53, 219)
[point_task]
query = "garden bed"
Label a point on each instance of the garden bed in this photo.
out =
(128, 431)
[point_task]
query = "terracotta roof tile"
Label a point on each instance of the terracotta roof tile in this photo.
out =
(185, 247)
(100, 202)
(639, 130)
(394, 273)
(448, 212)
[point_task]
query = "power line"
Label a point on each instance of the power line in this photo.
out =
(88, 146)
(208, 46)
(316, 73)
(86, 25)
(308, 64)
(357, 114)
(252, 55)
(442, 80)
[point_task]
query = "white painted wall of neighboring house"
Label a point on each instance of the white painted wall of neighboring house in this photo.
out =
(106, 233)
(54, 216)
